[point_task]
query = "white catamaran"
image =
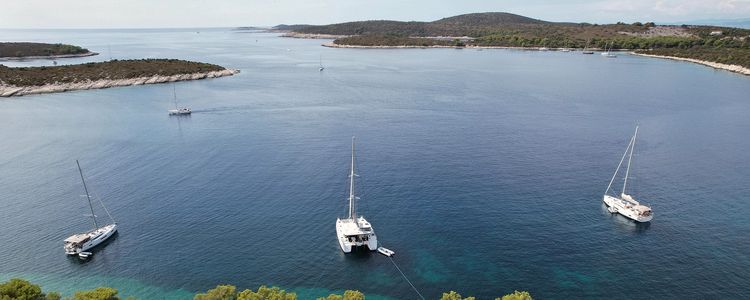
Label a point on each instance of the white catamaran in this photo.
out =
(355, 231)
(625, 204)
(78, 244)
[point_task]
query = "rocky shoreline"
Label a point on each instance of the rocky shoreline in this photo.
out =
(732, 68)
(11, 90)
(9, 58)
(296, 35)
(333, 45)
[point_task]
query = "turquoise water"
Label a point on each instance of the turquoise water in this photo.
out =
(483, 170)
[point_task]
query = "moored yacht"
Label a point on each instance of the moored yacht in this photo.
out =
(608, 51)
(177, 111)
(354, 231)
(585, 48)
(78, 244)
(626, 204)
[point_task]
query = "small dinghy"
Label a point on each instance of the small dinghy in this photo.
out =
(84, 255)
(386, 251)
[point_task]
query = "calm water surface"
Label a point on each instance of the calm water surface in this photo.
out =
(483, 170)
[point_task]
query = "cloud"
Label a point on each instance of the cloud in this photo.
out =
(676, 8)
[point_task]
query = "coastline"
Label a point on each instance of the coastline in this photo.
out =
(732, 68)
(12, 90)
(333, 45)
(726, 67)
(296, 35)
(13, 58)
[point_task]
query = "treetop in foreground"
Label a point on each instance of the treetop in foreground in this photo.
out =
(19, 289)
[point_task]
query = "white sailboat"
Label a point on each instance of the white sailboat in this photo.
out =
(78, 244)
(178, 110)
(608, 51)
(355, 231)
(321, 68)
(625, 204)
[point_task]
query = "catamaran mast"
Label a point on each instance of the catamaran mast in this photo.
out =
(87, 194)
(630, 159)
(352, 198)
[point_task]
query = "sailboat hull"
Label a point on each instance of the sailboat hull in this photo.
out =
(625, 208)
(96, 237)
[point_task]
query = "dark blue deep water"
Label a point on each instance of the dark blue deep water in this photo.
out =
(483, 170)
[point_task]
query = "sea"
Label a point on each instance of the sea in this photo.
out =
(483, 170)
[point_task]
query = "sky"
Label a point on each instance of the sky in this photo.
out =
(231, 13)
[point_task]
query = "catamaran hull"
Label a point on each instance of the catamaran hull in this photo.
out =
(346, 245)
(617, 205)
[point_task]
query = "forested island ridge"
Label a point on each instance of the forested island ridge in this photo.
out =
(36, 80)
(714, 44)
(27, 50)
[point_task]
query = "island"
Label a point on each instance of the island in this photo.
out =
(36, 80)
(11, 51)
(720, 47)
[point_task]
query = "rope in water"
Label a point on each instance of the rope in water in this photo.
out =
(407, 279)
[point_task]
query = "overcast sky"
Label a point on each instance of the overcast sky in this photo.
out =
(228, 13)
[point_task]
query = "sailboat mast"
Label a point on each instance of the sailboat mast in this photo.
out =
(174, 95)
(630, 159)
(352, 198)
(87, 194)
(618, 166)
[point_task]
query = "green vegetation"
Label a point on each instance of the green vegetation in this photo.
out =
(18, 50)
(23, 290)
(115, 69)
(731, 56)
(348, 295)
(19, 289)
(710, 43)
(516, 295)
(100, 293)
(229, 292)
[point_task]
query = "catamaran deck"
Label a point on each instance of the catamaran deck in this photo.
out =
(350, 228)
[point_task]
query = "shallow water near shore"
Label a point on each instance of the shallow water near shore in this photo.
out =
(483, 170)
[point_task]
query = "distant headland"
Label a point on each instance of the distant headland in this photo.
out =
(24, 50)
(37, 80)
(710, 45)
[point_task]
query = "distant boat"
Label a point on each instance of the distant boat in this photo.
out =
(625, 204)
(543, 49)
(178, 110)
(78, 244)
(608, 51)
(355, 231)
(585, 51)
(565, 50)
(321, 68)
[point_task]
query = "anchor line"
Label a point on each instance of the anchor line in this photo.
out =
(407, 279)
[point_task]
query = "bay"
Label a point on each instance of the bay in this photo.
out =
(483, 170)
